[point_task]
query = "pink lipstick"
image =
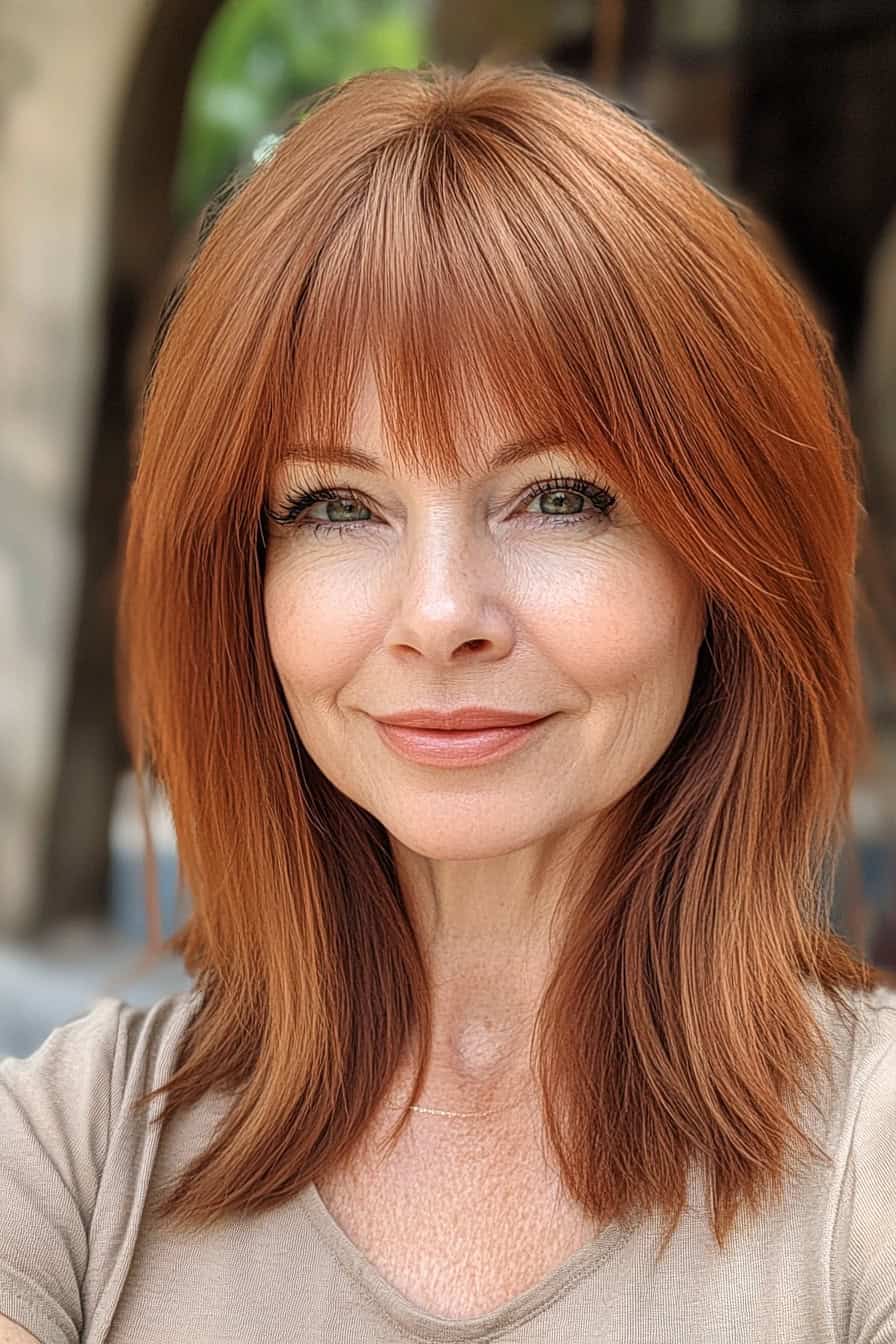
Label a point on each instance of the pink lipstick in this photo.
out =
(456, 746)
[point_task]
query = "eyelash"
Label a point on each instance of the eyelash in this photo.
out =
(600, 496)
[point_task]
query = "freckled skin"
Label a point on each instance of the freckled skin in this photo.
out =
(597, 623)
(461, 1218)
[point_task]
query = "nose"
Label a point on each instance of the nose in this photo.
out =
(450, 602)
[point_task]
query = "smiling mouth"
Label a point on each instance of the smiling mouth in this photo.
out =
(469, 717)
(457, 746)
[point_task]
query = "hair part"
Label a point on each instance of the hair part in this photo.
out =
(504, 244)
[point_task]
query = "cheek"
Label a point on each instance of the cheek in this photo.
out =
(626, 624)
(630, 628)
(319, 628)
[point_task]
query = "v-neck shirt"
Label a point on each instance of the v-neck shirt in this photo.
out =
(83, 1256)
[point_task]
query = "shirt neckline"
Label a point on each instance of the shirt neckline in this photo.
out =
(420, 1324)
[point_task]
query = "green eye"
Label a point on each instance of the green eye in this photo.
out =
(560, 495)
(562, 491)
(345, 505)
(297, 505)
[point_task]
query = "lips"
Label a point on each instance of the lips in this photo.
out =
(459, 720)
(458, 748)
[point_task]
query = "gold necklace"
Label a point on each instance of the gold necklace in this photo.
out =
(459, 1115)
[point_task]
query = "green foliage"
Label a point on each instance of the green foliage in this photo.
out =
(261, 56)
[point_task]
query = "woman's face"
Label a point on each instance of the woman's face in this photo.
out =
(477, 593)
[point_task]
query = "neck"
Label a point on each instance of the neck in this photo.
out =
(484, 1003)
(490, 936)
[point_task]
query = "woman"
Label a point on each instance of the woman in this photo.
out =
(488, 612)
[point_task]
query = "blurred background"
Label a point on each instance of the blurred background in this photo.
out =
(118, 120)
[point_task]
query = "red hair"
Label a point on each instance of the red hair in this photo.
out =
(504, 242)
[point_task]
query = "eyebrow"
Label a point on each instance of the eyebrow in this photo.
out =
(505, 455)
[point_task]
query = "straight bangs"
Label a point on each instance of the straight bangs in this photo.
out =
(572, 282)
(503, 251)
(435, 287)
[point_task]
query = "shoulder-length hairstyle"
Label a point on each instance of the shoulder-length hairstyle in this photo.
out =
(504, 241)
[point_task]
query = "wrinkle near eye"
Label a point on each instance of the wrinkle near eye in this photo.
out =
(303, 495)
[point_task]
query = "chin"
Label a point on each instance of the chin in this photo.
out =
(463, 839)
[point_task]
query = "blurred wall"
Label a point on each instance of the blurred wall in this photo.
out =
(91, 103)
(62, 80)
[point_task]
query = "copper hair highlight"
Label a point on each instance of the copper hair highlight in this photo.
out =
(504, 241)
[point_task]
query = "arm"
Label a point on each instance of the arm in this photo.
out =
(54, 1128)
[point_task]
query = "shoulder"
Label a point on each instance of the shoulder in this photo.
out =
(79, 1076)
(863, 1211)
(868, 1137)
(147, 1042)
(58, 1110)
(863, 1045)
(860, 1028)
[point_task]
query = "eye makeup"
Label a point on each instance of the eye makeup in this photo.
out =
(297, 504)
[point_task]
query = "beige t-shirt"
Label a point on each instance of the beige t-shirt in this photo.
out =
(82, 1257)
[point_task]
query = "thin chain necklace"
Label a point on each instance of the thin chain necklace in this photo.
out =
(459, 1115)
